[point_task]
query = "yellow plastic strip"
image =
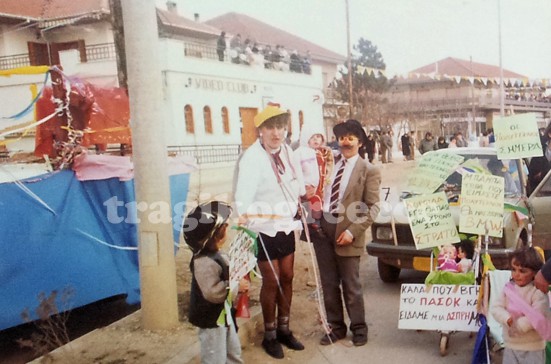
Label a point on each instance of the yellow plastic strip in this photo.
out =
(28, 70)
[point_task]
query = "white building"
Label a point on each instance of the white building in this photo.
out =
(206, 102)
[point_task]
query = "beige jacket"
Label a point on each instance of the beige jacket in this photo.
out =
(363, 187)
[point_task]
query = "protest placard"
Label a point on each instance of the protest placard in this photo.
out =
(242, 256)
(431, 170)
(438, 307)
(482, 204)
(431, 220)
(517, 136)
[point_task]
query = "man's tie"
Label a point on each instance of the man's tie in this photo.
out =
(336, 187)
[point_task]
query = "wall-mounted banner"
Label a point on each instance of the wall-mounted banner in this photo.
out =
(482, 204)
(438, 307)
(431, 220)
(517, 136)
(432, 169)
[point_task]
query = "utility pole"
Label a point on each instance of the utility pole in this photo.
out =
(501, 86)
(350, 101)
(473, 110)
(118, 37)
(156, 247)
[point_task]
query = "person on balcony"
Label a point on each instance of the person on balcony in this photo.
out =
(221, 46)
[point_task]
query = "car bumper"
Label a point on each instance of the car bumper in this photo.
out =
(410, 258)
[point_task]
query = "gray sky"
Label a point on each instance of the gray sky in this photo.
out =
(411, 33)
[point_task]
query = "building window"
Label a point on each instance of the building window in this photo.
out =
(300, 120)
(190, 126)
(208, 120)
(225, 120)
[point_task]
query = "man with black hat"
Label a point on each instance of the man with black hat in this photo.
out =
(348, 211)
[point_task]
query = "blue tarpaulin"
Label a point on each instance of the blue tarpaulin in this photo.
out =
(70, 241)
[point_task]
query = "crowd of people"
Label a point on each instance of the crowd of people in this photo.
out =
(251, 53)
(331, 196)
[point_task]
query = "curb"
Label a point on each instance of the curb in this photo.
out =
(191, 354)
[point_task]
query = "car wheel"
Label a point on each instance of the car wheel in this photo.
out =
(388, 273)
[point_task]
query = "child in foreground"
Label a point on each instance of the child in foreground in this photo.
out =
(205, 233)
(522, 309)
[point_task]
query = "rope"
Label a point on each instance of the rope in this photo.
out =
(28, 191)
(319, 293)
(106, 244)
(29, 107)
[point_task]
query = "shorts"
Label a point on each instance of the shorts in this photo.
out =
(277, 247)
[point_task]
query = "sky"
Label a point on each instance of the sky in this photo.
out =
(410, 33)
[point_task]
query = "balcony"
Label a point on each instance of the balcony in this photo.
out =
(95, 52)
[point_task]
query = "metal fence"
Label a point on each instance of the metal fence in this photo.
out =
(99, 52)
(205, 154)
(14, 61)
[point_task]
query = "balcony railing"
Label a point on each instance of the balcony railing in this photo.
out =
(206, 51)
(100, 52)
(14, 61)
(94, 52)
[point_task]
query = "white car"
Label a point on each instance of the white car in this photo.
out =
(394, 245)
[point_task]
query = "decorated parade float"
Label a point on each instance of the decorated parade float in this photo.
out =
(68, 220)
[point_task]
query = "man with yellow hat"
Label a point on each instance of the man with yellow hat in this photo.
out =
(268, 187)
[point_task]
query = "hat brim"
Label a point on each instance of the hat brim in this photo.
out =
(350, 127)
(266, 114)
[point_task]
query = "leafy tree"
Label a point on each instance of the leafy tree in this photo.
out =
(369, 105)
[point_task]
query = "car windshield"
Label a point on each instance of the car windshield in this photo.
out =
(503, 168)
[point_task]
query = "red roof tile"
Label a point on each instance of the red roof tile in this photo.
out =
(234, 23)
(458, 67)
(173, 20)
(52, 9)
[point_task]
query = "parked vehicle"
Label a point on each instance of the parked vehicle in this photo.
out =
(392, 240)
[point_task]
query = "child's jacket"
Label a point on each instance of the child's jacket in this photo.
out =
(209, 289)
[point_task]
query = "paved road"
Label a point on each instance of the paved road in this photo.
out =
(387, 344)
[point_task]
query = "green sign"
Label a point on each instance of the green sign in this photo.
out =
(482, 204)
(432, 169)
(517, 136)
(431, 220)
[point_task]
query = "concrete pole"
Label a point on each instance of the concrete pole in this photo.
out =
(156, 246)
(350, 87)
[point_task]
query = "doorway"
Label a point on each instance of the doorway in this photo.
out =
(248, 130)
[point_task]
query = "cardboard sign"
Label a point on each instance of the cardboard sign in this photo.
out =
(432, 169)
(431, 220)
(242, 257)
(482, 204)
(438, 307)
(517, 136)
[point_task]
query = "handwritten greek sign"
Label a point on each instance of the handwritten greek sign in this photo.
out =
(438, 307)
(517, 136)
(481, 204)
(242, 257)
(432, 169)
(431, 220)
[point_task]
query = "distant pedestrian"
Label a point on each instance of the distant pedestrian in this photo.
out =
(406, 147)
(441, 143)
(483, 140)
(459, 140)
(221, 46)
(412, 144)
(427, 144)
